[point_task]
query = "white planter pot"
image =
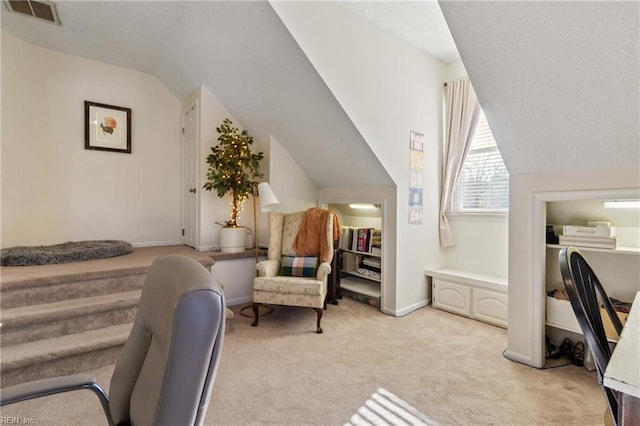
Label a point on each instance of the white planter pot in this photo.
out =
(233, 240)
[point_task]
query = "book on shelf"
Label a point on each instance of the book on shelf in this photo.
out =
(348, 239)
(354, 239)
(372, 262)
(589, 231)
(365, 240)
(345, 238)
(605, 223)
(375, 242)
(589, 241)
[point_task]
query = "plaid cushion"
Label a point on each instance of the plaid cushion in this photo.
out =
(299, 266)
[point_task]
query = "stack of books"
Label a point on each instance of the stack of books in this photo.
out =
(375, 246)
(603, 235)
(366, 240)
(370, 267)
(372, 263)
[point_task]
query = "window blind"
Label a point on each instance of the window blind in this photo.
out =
(483, 184)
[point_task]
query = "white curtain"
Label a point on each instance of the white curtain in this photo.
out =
(461, 115)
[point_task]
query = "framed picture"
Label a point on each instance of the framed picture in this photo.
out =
(107, 127)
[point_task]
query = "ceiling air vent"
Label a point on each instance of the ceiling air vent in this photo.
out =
(41, 9)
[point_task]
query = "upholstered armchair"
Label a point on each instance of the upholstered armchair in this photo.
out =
(289, 277)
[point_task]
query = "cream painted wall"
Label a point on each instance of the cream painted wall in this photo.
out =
(387, 88)
(291, 186)
(361, 221)
(482, 244)
(53, 190)
(237, 278)
(529, 194)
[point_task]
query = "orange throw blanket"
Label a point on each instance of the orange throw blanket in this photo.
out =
(311, 239)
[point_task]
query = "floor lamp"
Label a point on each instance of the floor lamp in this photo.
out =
(268, 202)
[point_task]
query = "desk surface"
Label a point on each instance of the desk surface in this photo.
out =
(623, 370)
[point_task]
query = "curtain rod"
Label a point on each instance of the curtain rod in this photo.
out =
(445, 84)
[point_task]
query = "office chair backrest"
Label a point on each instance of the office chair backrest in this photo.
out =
(165, 372)
(587, 295)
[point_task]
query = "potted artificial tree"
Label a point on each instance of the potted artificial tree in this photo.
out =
(233, 170)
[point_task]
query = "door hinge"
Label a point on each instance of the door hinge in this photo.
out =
(183, 232)
(183, 131)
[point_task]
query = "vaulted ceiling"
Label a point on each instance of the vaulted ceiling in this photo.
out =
(241, 52)
(558, 81)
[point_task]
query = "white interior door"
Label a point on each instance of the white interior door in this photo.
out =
(189, 179)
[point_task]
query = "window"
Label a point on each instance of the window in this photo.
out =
(483, 184)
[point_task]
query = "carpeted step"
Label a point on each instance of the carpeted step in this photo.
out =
(53, 289)
(44, 321)
(27, 285)
(58, 356)
(72, 299)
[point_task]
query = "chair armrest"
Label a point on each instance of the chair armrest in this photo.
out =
(324, 269)
(268, 268)
(53, 386)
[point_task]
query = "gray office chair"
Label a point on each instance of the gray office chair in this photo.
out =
(165, 372)
(587, 295)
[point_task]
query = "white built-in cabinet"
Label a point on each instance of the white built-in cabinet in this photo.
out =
(477, 296)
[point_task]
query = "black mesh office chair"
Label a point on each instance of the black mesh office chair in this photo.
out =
(587, 296)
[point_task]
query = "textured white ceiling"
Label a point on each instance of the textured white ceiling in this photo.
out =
(241, 52)
(420, 23)
(559, 81)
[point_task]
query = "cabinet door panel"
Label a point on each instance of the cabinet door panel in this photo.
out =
(451, 297)
(489, 306)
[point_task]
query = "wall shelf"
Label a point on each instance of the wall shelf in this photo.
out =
(364, 253)
(619, 250)
(616, 268)
(355, 274)
(363, 287)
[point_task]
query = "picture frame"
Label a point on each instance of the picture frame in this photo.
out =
(107, 127)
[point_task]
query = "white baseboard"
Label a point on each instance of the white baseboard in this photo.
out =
(157, 243)
(239, 301)
(522, 359)
(408, 309)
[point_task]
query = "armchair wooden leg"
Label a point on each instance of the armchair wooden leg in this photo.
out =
(319, 313)
(255, 314)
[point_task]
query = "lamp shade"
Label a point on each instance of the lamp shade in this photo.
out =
(268, 200)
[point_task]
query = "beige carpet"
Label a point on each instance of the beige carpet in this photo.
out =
(447, 367)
